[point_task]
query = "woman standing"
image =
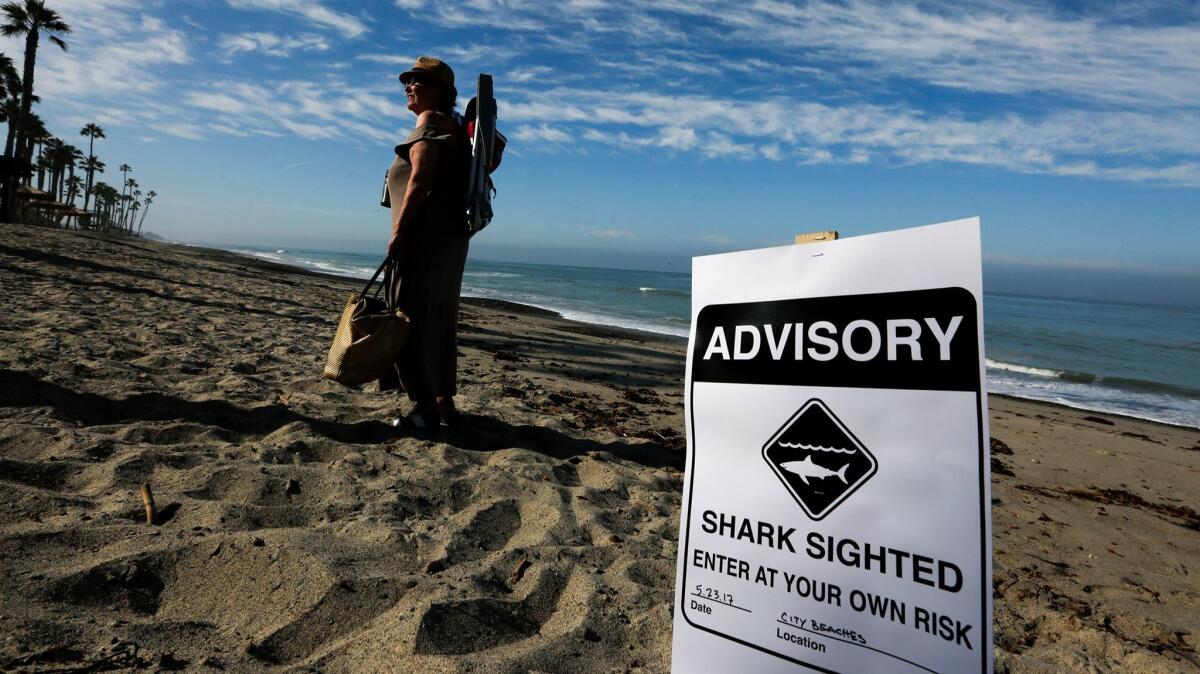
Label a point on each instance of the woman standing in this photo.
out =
(426, 186)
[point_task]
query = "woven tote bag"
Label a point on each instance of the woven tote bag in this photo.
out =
(369, 336)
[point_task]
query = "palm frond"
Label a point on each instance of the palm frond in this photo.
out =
(18, 18)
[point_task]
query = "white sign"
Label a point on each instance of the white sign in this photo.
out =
(836, 506)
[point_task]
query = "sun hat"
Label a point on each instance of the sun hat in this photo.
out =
(432, 68)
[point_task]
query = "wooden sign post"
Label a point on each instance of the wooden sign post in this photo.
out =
(815, 237)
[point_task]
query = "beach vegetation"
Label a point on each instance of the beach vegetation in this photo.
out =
(31, 149)
(29, 19)
(149, 200)
(91, 132)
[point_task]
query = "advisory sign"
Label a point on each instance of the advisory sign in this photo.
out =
(836, 503)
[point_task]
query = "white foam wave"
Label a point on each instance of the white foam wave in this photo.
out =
(267, 256)
(492, 274)
(816, 448)
(647, 290)
(340, 270)
(1023, 369)
(1080, 395)
(576, 314)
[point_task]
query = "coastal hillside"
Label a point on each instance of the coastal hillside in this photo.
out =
(295, 530)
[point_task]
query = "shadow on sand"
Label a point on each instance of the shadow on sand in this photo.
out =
(475, 433)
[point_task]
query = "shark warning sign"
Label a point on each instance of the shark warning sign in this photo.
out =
(818, 459)
(836, 503)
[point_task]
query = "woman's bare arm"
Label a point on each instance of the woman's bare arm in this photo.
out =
(423, 156)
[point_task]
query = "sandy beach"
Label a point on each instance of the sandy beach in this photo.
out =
(295, 530)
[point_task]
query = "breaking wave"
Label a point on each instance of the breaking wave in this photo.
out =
(665, 292)
(1126, 383)
(492, 274)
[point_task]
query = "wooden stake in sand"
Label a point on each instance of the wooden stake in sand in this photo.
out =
(813, 237)
(148, 502)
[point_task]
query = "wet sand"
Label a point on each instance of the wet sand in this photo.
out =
(296, 530)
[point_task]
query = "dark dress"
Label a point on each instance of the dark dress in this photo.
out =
(431, 272)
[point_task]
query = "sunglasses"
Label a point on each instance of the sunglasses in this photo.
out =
(415, 80)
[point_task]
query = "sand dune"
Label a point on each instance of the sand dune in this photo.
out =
(297, 531)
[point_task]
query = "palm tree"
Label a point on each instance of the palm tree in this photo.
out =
(10, 96)
(149, 200)
(31, 18)
(50, 147)
(34, 125)
(130, 186)
(131, 199)
(10, 80)
(92, 132)
(74, 185)
(44, 165)
(124, 169)
(60, 156)
(39, 135)
(133, 209)
(10, 109)
(97, 189)
(74, 157)
(106, 199)
(92, 165)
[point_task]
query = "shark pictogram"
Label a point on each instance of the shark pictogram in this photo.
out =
(818, 459)
(806, 469)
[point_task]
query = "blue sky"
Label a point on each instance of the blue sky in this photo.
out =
(645, 132)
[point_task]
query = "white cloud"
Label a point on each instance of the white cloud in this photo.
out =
(544, 132)
(1088, 95)
(717, 144)
(1107, 91)
(216, 101)
(677, 138)
(124, 56)
(999, 47)
(457, 56)
(230, 130)
(388, 59)
(995, 46)
(528, 73)
(309, 131)
(1123, 144)
(310, 10)
(312, 109)
(180, 130)
(271, 44)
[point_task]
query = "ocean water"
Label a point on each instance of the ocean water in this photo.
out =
(1141, 361)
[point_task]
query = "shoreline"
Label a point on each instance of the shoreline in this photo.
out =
(1118, 415)
(618, 332)
(596, 329)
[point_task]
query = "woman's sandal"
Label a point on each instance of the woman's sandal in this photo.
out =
(418, 420)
